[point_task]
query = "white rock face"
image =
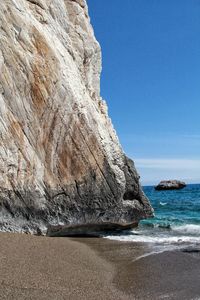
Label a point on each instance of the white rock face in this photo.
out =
(60, 158)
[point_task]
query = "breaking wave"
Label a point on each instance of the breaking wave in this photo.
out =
(176, 222)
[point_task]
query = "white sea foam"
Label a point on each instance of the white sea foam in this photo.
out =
(190, 229)
(189, 233)
(157, 251)
(156, 239)
(163, 203)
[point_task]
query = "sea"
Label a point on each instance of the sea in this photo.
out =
(176, 223)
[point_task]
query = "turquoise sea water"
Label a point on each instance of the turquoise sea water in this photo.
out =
(174, 208)
(176, 221)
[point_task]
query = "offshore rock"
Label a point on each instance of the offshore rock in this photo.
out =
(61, 162)
(170, 185)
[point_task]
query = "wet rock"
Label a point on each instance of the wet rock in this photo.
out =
(88, 230)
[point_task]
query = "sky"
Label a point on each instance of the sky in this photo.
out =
(151, 82)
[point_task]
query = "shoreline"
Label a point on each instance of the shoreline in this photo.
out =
(171, 274)
(35, 267)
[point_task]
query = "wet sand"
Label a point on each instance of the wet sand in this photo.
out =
(173, 275)
(61, 268)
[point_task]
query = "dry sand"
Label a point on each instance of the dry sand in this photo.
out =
(61, 268)
(53, 268)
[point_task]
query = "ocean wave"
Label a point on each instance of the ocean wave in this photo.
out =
(161, 225)
(166, 240)
(190, 229)
(176, 222)
(162, 234)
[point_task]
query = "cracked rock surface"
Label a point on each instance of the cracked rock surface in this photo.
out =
(60, 159)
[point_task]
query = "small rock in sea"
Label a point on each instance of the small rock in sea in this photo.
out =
(170, 185)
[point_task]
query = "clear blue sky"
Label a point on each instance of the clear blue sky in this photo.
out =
(151, 82)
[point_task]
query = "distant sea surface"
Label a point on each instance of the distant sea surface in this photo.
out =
(176, 223)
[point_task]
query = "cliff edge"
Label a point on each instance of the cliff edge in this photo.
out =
(60, 160)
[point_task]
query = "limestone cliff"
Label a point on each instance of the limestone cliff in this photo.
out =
(60, 158)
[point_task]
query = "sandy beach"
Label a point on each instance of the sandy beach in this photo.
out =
(52, 268)
(60, 268)
(173, 275)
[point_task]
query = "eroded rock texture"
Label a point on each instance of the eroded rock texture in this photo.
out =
(60, 158)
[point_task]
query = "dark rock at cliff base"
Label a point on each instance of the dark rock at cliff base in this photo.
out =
(88, 230)
(170, 185)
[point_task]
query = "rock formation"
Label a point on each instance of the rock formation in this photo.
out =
(60, 159)
(170, 185)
